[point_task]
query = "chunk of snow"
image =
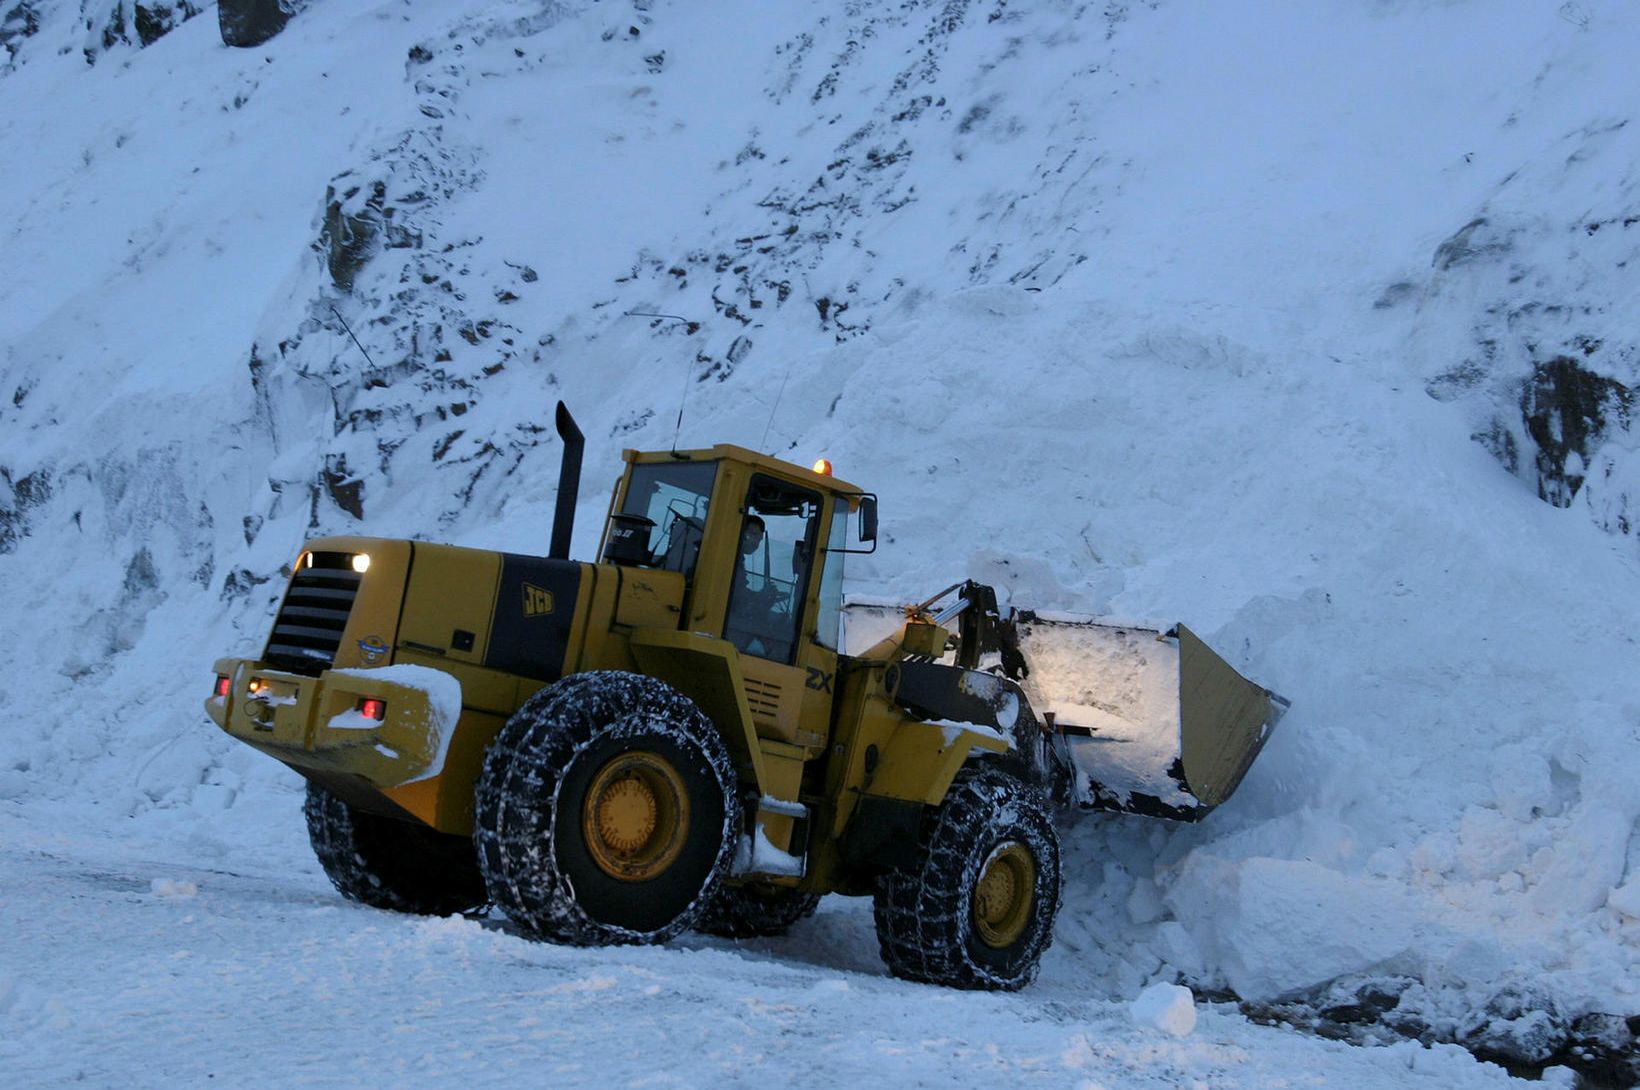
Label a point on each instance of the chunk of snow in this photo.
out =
(1277, 926)
(173, 889)
(951, 730)
(352, 719)
(1170, 1008)
(756, 854)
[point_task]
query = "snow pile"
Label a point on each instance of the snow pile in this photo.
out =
(1159, 310)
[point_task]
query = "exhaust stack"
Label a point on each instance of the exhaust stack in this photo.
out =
(569, 484)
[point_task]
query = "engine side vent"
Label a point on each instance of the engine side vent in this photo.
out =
(763, 698)
(309, 627)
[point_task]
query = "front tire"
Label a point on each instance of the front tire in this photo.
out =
(385, 863)
(976, 909)
(606, 811)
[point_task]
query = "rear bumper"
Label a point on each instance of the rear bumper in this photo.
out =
(312, 723)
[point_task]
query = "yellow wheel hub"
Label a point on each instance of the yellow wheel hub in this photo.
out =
(1004, 895)
(635, 816)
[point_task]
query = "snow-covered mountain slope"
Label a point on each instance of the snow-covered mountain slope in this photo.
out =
(1278, 322)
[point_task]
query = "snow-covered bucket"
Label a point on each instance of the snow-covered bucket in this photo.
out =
(1156, 722)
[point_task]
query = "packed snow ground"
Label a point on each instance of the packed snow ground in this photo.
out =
(1110, 343)
(156, 970)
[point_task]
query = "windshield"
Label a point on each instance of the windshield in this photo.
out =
(673, 496)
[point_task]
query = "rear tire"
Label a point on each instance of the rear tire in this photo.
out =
(606, 812)
(385, 863)
(976, 909)
(743, 912)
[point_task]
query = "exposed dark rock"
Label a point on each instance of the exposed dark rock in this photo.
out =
(1371, 1004)
(1604, 1048)
(352, 228)
(247, 23)
(362, 218)
(1474, 240)
(346, 489)
(240, 582)
(140, 573)
(154, 21)
(19, 497)
(1568, 412)
(18, 21)
(1455, 381)
(1501, 442)
(1520, 1026)
(150, 20)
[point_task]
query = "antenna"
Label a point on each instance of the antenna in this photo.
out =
(688, 327)
(763, 442)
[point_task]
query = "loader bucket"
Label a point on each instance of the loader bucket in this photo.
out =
(1155, 721)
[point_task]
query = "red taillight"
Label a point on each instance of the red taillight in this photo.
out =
(222, 685)
(373, 708)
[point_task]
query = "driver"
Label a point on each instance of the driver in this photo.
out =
(751, 538)
(753, 600)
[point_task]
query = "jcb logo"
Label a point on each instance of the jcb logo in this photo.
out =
(537, 602)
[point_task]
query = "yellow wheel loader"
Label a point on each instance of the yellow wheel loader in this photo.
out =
(677, 736)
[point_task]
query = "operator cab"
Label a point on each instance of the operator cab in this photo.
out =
(759, 542)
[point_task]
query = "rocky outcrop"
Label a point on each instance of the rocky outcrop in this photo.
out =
(1569, 412)
(110, 23)
(1519, 1027)
(246, 23)
(17, 498)
(1527, 305)
(18, 21)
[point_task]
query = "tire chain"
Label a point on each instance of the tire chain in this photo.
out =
(922, 915)
(516, 797)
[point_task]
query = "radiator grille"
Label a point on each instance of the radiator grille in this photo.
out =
(309, 627)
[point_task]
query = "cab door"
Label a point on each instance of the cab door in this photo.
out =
(774, 611)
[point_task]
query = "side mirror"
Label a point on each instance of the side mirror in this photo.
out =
(867, 506)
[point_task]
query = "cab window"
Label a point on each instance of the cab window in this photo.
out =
(673, 496)
(773, 557)
(828, 625)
